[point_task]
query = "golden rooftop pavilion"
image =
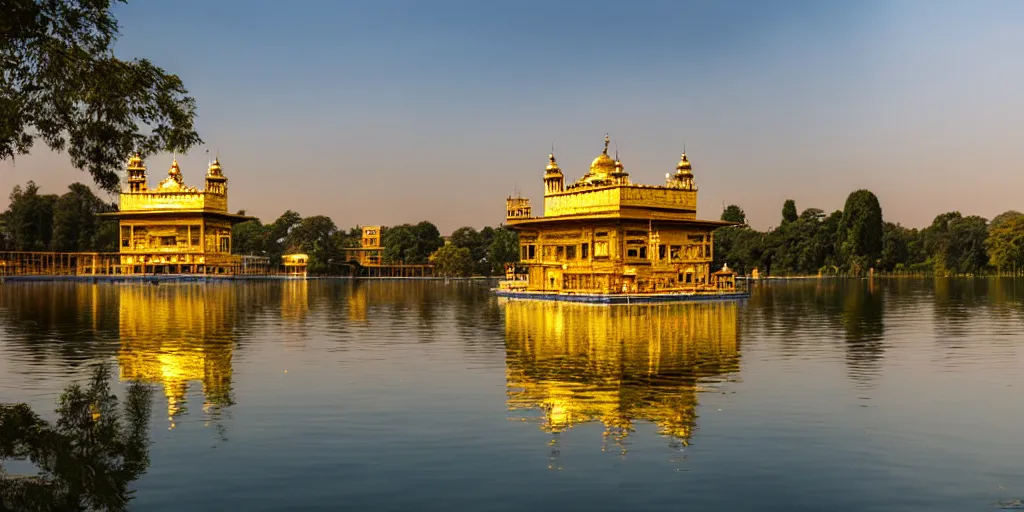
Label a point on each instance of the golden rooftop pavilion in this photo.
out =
(606, 235)
(177, 229)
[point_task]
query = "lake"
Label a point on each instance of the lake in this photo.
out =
(420, 395)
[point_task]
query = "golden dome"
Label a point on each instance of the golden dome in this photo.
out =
(214, 169)
(135, 162)
(552, 164)
(174, 170)
(603, 164)
(684, 165)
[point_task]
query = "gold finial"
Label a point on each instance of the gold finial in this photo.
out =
(607, 140)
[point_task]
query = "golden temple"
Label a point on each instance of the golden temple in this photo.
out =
(605, 234)
(617, 366)
(177, 229)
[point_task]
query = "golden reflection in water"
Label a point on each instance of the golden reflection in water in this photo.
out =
(174, 335)
(295, 299)
(357, 303)
(617, 365)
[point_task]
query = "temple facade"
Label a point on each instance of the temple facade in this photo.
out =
(177, 229)
(606, 234)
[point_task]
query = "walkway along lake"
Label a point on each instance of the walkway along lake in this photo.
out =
(426, 395)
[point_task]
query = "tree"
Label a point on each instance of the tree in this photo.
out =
(249, 238)
(75, 224)
(86, 459)
(1005, 243)
(895, 245)
(276, 236)
(428, 240)
(452, 261)
(478, 243)
(29, 218)
(1003, 217)
(108, 233)
(936, 238)
(504, 249)
(860, 231)
(63, 84)
(789, 211)
(967, 252)
(314, 236)
(956, 243)
(734, 213)
(411, 244)
(5, 239)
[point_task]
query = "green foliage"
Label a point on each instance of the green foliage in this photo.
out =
(1005, 243)
(957, 243)
(489, 248)
(452, 261)
(63, 84)
(75, 224)
(476, 243)
(733, 213)
(504, 249)
(789, 211)
(67, 223)
(315, 236)
(29, 218)
(86, 459)
(1008, 215)
(856, 239)
(249, 237)
(409, 244)
(860, 231)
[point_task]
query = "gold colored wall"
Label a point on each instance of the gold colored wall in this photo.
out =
(617, 365)
(164, 201)
(614, 198)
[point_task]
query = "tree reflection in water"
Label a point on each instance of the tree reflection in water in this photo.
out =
(87, 459)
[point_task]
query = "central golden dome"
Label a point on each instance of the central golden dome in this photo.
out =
(603, 164)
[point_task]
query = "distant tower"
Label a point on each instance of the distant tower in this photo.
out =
(216, 182)
(683, 177)
(554, 181)
(136, 174)
(517, 207)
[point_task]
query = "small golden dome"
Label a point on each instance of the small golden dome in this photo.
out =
(552, 164)
(619, 168)
(684, 165)
(174, 170)
(135, 162)
(214, 169)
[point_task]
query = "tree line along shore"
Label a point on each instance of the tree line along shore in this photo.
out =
(849, 242)
(857, 241)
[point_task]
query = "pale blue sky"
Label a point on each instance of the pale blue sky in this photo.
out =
(382, 112)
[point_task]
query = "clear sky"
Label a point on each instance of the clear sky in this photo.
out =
(383, 112)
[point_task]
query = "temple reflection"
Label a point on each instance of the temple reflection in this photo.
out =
(175, 335)
(294, 299)
(617, 365)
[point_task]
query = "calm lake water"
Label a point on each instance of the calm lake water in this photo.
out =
(338, 395)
